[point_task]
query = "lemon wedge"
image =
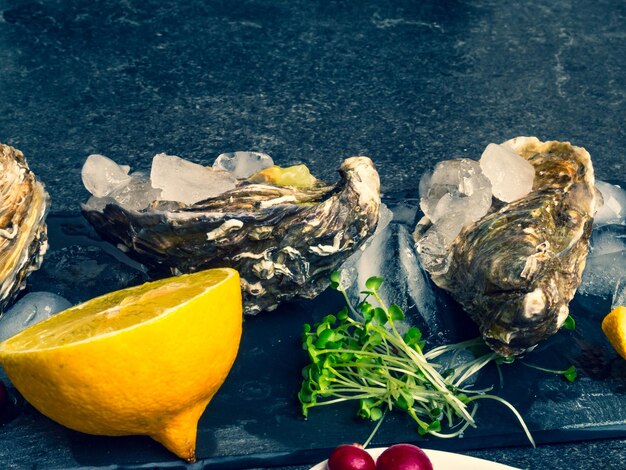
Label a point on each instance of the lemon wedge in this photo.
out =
(614, 327)
(297, 176)
(144, 360)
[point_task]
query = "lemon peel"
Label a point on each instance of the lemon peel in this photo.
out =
(614, 327)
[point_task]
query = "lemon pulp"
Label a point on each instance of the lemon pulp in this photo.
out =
(112, 312)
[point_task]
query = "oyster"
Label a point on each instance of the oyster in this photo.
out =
(283, 240)
(516, 269)
(23, 208)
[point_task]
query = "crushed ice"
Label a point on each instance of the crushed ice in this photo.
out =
(459, 192)
(171, 179)
(619, 293)
(456, 194)
(390, 253)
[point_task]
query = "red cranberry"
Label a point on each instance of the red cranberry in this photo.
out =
(350, 457)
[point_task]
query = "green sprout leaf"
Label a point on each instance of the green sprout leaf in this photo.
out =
(412, 336)
(376, 414)
(570, 373)
(404, 401)
(396, 313)
(373, 283)
(505, 360)
(376, 339)
(569, 323)
(342, 315)
(380, 316)
(436, 413)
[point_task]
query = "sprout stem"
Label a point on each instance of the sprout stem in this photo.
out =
(375, 430)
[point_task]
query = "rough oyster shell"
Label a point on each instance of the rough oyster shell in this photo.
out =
(516, 269)
(23, 208)
(284, 241)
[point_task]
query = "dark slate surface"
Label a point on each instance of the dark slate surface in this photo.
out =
(255, 419)
(408, 83)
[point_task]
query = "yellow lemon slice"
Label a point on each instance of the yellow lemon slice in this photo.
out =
(144, 360)
(614, 327)
(297, 176)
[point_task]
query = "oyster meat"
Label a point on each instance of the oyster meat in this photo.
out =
(284, 240)
(516, 269)
(23, 208)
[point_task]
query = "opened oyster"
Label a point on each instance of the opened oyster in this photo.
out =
(284, 240)
(23, 208)
(516, 268)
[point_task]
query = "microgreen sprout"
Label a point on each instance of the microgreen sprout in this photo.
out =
(359, 354)
(570, 374)
(569, 323)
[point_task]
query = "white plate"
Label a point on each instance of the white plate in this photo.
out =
(441, 461)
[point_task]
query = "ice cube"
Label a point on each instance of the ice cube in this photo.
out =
(454, 196)
(365, 262)
(405, 211)
(243, 164)
(187, 182)
(137, 194)
(511, 175)
(455, 186)
(29, 310)
(419, 287)
(97, 203)
(619, 294)
(613, 209)
(101, 175)
(606, 240)
(391, 254)
(606, 262)
(602, 273)
(434, 246)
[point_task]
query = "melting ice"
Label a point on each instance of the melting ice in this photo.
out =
(605, 272)
(29, 310)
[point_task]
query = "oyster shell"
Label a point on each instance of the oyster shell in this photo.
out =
(284, 241)
(516, 269)
(23, 208)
